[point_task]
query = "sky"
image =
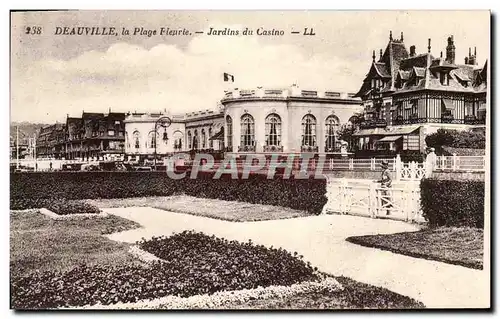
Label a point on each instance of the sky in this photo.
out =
(53, 76)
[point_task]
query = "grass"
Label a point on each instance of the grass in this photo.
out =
(213, 208)
(38, 243)
(457, 246)
(355, 295)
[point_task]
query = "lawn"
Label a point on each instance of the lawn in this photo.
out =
(458, 246)
(40, 243)
(73, 257)
(213, 208)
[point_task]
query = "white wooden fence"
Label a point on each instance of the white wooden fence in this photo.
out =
(460, 163)
(366, 198)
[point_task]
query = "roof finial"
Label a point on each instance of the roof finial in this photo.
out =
(390, 35)
(380, 54)
(441, 56)
(373, 56)
(429, 46)
(401, 36)
(469, 53)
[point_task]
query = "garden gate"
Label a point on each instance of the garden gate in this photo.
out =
(367, 198)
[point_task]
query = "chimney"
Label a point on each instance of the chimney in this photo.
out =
(429, 46)
(412, 50)
(466, 60)
(401, 36)
(450, 51)
(390, 36)
(441, 55)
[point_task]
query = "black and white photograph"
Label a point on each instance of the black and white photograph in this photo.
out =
(250, 160)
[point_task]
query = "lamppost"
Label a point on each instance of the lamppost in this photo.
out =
(164, 122)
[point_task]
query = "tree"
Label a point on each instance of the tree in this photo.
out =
(475, 139)
(347, 130)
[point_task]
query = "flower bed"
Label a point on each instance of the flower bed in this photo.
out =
(223, 299)
(193, 264)
(61, 207)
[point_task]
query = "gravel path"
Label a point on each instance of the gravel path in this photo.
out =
(321, 240)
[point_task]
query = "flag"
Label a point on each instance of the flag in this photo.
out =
(228, 77)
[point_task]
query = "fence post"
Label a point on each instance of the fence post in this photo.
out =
(397, 165)
(373, 201)
(408, 200)
(454, 161)
(331, 164)
(430, 161)
(351, 164)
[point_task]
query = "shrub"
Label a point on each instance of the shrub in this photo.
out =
(195, 264)
(35, 190)
(62, 207)
(459, 139)
(453, 202)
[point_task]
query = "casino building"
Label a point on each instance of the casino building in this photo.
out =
(407, 96)
(260, 120)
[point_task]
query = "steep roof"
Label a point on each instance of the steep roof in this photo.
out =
(421, 71)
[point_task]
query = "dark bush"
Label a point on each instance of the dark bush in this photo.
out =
(194, 264)
(459, 139)
(35, 190)
(453, 202)
(63, 207)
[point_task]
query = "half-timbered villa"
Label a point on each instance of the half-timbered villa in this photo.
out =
(407, 96)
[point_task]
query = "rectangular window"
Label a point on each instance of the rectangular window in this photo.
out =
(443, 78)
(111, 133)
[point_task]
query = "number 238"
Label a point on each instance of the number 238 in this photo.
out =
(33, 30)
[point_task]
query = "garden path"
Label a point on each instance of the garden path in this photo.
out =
(321, 240)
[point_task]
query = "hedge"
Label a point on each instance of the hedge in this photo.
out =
(456, 203)
(35, 190)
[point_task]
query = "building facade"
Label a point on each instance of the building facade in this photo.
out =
(407, 96)
(288, 120)
(94, 136)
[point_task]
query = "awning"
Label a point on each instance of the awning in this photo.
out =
(447, 104)
(389, 139)
(387, 132)
(219, 136)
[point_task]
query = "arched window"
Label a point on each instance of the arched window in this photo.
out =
(273, 130)
(203, 138)
(331, 127)
(210, 143)
(195, 140)
(229, 124)
(247, 130)
(309, 130)
(152, 138)
(137, 140)
(190, 140)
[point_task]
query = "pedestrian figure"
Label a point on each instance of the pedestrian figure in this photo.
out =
(50, 166)
(385, 183)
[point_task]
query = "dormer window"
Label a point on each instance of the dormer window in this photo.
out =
(377, 83)
(443, 78)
